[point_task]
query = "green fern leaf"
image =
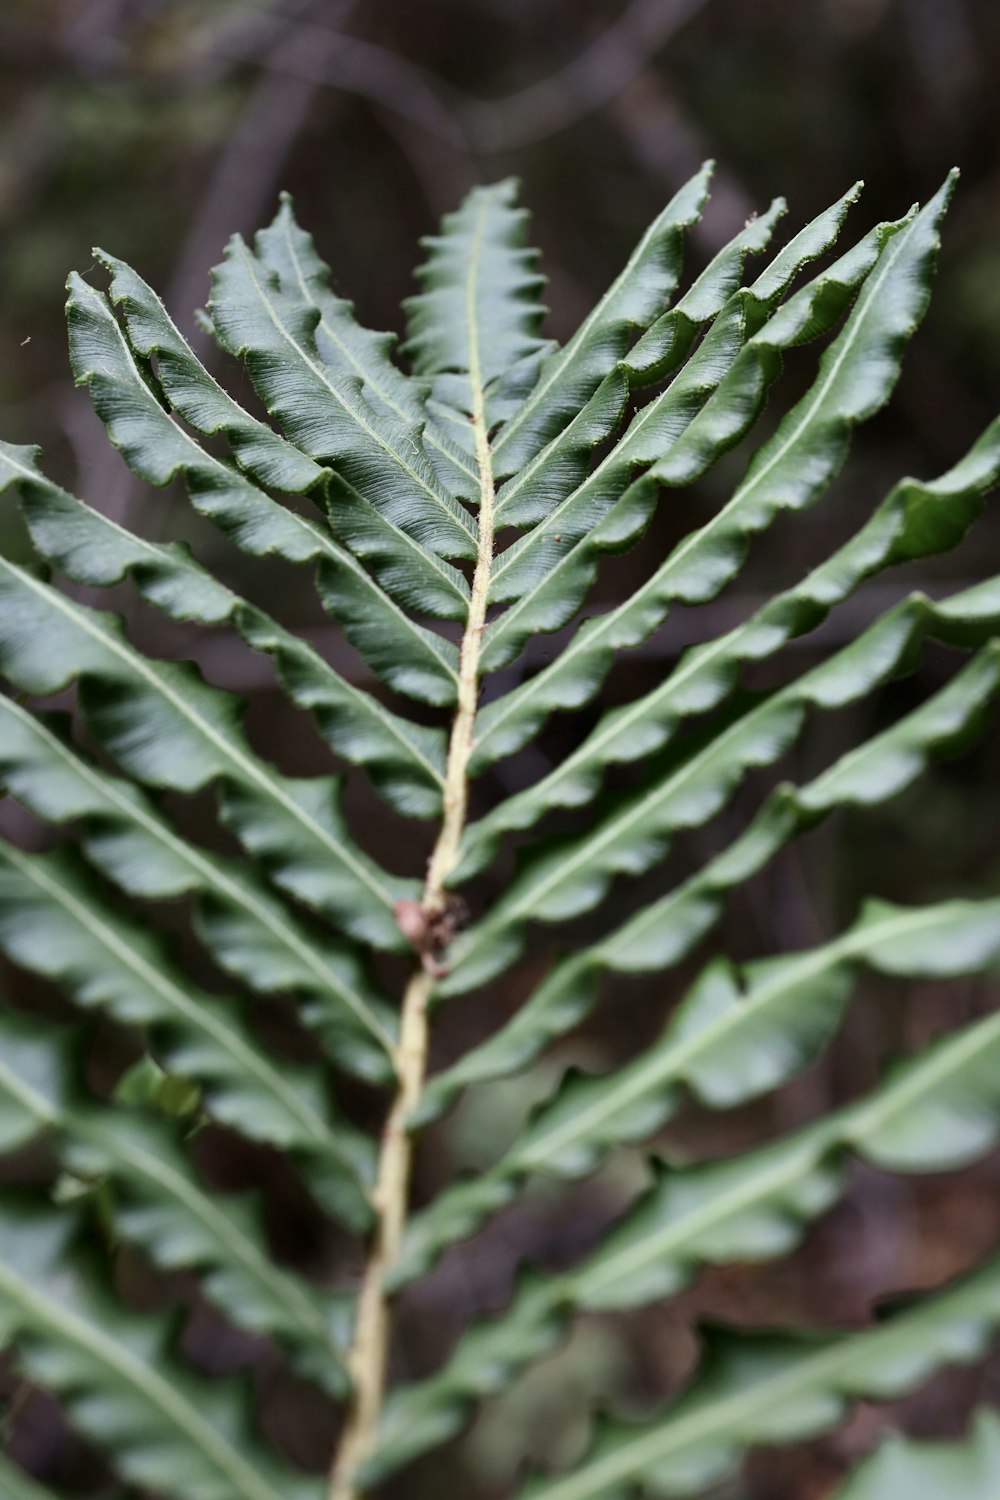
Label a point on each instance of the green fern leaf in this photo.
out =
(54, 922)
(159, 1204)
(818, 428)
(407, 656)
(169, 728)
(326, 414)
(663, 933)
(915, 518)
(925, 1470)
(939, 1109)
(570, 876)
(779, 1389)
(418, 473)
(244, 926)
(737, 1034)
(158, 449)
(406, 761)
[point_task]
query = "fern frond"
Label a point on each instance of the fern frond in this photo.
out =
(53, 921)
(565, 877)
(418, 476)
(937, 1110)
(402, 653)
(740, 1032)
(247, 930)
(165, 1426)
(779, 1389)
(158, 1202)
(325, 414)
(404, 760)
(915, 519)
(167, 727)
(789, 472)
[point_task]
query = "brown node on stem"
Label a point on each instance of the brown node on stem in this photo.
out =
(430, 932)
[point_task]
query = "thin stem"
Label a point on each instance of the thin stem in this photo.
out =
(369, 1355)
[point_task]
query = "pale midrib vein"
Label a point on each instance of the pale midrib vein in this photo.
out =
(201, 1016)
(670, 1238)
(454, 515)
(35, 1103)
(585, 638)
(369, 1352)
(213, 877)
(64, 1323)
(245, 767)
(324, 322)
(365, 700)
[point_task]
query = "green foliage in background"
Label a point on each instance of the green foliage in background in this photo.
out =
(446, 517)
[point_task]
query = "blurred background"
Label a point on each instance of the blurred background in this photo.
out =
(156, 128)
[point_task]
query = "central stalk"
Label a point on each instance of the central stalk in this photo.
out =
(369, 1354)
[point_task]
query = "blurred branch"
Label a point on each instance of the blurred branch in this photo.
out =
(591, 80)
(325, 57)
(248, 169)
(672, 149)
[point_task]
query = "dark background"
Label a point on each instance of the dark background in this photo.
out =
(156, 128)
